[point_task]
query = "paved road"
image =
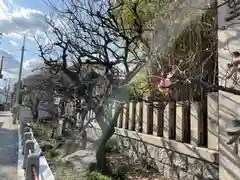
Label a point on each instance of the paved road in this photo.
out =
(8, 147)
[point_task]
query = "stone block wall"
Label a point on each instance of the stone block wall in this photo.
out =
(173, 165)
(169, 163)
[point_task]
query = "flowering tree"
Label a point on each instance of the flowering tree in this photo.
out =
(96, 42)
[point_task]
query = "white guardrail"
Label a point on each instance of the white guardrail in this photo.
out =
(32, 165)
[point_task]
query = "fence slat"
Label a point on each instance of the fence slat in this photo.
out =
(202, 122)
(160, 120)
(140, 117)
(213, 120)
(194, 123)
(133, 114)
(172, 120)
(120, 118)
(126, 116)
(179, 121)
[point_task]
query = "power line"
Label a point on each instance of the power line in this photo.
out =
(10, 19)
(5, 12)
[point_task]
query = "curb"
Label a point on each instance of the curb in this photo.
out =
(20, 170)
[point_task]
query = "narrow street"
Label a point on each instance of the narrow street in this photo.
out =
(8, 147)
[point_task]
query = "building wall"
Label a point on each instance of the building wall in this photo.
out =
(229, 107)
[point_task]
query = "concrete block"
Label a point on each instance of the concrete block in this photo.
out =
(210, 171)
(160, 167)
(185, 176)
(179, 161)
(165, 156)
(27, 136)
(32, 162)
(29, 145)
(153, 151)
(142, 147)
(195, 166)
(171, 173)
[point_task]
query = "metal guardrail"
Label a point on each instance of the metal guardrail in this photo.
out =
(31, 158)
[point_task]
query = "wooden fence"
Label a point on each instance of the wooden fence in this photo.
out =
(193, 122)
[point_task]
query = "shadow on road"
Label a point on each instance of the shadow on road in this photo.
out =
(8, 153)
(8, 147)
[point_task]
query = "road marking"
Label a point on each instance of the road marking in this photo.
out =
(1, 124)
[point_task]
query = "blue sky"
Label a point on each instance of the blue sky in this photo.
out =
(19, 18)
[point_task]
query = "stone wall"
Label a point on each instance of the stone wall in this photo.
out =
(174, 160)
(173, 165)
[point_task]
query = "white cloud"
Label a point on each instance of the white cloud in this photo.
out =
(13, 43)
(21, 21)
(10, 75)
(33, 64)
(13, 70)
(14, 35)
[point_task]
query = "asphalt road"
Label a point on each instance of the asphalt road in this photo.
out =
(8, 147)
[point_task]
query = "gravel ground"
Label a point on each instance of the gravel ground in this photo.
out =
(8, 147)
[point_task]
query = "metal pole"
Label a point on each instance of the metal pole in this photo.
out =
(19, 78)
(5, 92)
(5, 85)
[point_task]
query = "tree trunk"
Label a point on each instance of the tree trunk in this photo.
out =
(107, 134)
(101, 152)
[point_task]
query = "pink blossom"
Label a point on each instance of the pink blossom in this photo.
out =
(165, 82)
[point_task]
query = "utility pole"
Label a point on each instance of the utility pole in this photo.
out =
(5, 87)
(1, 68)
(19, 80)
